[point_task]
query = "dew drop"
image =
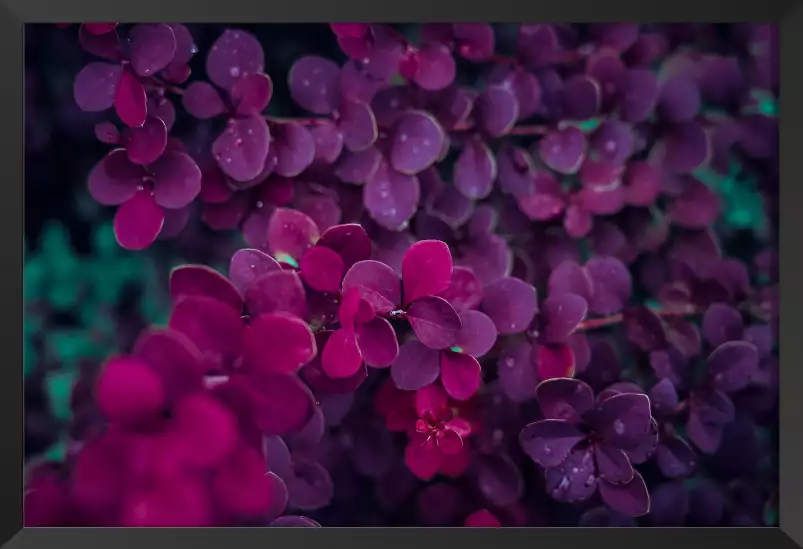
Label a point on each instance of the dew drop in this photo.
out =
(403, 137)
(234, 72)
(619, 427)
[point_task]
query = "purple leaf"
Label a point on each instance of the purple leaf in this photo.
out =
(434, 321)
(416, 366)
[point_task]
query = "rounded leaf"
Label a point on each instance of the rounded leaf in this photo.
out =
(497, 110)
(416, 366)
(612, 285)
(247, 265)
(234, 55)
(357, 125)
(434, 321)
(376, 282)
(475, 170)
(251, 94)
(95, 86)
(434, 67)
(128, 391)
(189, 280)
(426, 269)
(115, 179)
(378, 342)
(561, 316)
(315, 84)
(732, 365)
(631, 499)
(477, 334)
(174, 358)
(548, 442)
(176, 180)
(563, 150)
(146, 143)
(138, 221)
(282, 404)
(277, 291)
(294, 148)
(350, 241)
(242, 148)
(278, 343)
(202, 100)
(322, 269)
(461, 375)
(341, 358)
(555, 361)
(417, 142)
(391, 197)
(153, 46)
(290, 234)
(564, 399)
(511, 303)
(213, 326)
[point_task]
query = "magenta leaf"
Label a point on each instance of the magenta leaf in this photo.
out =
(242, 149)
(426, 269)
(290, 234)
(314, 84)
(565, 399)
(548, 442)
(278, 343)
(146, 143)
(461, 375)
(322, 269)
(378, 343)
(152, 48)
(376, 282)
(115, 180)
(202, 100)
(511, 303)
(189, 280)
(251, 94)
(416, 366)
(138, 221)
(96, 85)
(434, 321)
(417, 142)
(176, 180)
(341, 358)
(247, 265)
(277, 291)
(477, 334)
(130, 101)
(631, 499)
(234, 55)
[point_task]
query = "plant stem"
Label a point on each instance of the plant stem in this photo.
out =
(602, 322)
